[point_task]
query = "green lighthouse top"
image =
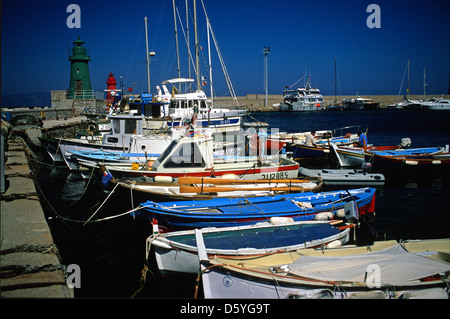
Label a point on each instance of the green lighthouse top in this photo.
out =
(79, 51)
(80, 82)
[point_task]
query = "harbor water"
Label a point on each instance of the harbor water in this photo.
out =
(111, 252)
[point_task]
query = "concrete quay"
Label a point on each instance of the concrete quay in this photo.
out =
(29, 260)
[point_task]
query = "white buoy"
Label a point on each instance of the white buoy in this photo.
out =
(281, 220)
(323, 216)
(334, 244)
(163, 179)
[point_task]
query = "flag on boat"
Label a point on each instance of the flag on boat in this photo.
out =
(106, 177)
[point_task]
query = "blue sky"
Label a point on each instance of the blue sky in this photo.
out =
(304, 36)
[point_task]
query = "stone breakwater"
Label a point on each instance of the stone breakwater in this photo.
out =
(256, 102)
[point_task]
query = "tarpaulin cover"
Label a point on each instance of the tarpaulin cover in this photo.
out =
(396, 265)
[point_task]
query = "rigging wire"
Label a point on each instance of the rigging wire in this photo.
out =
(134, 52)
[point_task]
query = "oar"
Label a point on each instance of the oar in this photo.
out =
(223, 181)
(199, 189)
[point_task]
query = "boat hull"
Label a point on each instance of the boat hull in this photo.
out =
(253, 172)
(177, 251)
(344, 176)
(248, 211)
(67, 146)
(412, 162)
(164, 192)
(355, 157)
(303, 152)
(299, 107)
(224, 283)
(411, 166)
(407, 272)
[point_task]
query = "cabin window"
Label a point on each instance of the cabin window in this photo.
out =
(187, 155)
(164, 154)
(173, 104)
(116, 126)
(130, 126)
(112, 140)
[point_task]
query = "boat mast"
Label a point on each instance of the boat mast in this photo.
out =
(407, 89)
(176, 40)
(197, 57)
(189, 51)
(424, 83)
(208, 26)
(147, 60)
(335, 83)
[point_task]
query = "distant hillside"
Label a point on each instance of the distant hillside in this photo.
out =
(30, 99)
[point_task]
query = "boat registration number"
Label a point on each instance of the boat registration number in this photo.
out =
(277, 175)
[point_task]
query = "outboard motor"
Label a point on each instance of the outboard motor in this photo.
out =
(351, 211)
(405, 142)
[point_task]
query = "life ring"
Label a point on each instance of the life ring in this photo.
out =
(92, 127)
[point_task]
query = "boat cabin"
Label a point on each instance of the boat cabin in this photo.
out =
(123, 128)
(186, 153)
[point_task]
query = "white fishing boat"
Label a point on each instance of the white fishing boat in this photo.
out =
(194, 108)
(193, 156)
(385, 270)
(302, 99)
(126, 135)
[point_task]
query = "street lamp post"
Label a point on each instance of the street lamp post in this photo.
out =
(266, 52)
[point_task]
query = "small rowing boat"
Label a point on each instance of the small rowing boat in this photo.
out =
(177, 251)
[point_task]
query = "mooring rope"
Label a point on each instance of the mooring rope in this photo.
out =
(106, 199)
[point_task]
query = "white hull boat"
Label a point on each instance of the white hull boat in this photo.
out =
(345, 176)
(177, 251)
(386, 270)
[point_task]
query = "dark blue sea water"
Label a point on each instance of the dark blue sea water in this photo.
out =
(111, 254)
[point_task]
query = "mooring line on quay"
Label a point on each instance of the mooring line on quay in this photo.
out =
(33, 157)
(50, 206)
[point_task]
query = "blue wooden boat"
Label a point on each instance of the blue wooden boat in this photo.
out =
(110, 157)
(224, 212)
(408, 152)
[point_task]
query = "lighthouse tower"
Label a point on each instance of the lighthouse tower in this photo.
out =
(111, 87)
(80, 82)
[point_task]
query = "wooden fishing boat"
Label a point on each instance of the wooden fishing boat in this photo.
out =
(411, 161)
(177, 251)
(193, 156)
(385, 270)
(351, 156)
(342, 136)
(344, 176)
(224, 212)
(196, 188)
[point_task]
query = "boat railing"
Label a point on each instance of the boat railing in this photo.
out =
(353, 129)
